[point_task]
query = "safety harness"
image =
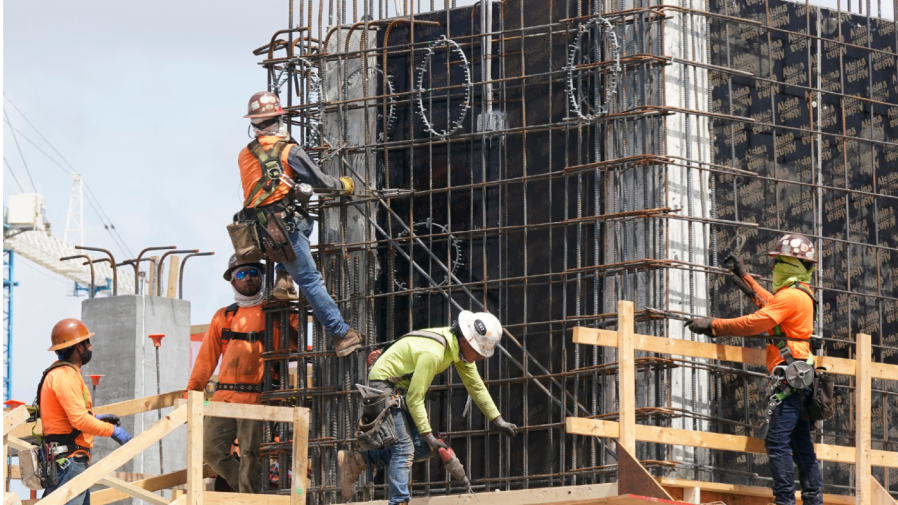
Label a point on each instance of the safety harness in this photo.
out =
(226, 336)
(423, 334)
(60, 445)
(272, 172)
(792, 377)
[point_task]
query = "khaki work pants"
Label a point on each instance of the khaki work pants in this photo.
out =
(245, 475)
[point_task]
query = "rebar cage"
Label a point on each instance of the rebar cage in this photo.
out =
(573, 155)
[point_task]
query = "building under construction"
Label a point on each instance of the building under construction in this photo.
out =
(545, 159)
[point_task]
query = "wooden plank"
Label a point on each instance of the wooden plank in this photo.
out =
(135, 491)
(171, 290)
(15, 473)
(633, 478)
(862, 406)
(607, 338)
(195, 485)
(879, 496)
(121, 409)
(11, 499)
(719, 441)
(155, 483)
(692, 495)
(300, 456)
(597, 494)
(14, 418)
(735, 489)
(16, 443)
(626, 370)
(198, 328)
(181, 500)
(245, 411)
(117, 458)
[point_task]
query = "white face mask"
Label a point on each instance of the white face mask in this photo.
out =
(280, 131)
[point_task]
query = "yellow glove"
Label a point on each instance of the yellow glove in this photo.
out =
(348, 185)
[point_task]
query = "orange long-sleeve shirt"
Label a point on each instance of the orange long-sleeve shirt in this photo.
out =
(242, 361)
(791, 309)
(66, 405)
(251, 170)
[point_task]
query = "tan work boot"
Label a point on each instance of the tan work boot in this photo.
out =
(351, 464)
(284, 288)
(349, 343)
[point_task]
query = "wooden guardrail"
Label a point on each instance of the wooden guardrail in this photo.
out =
(627, 431)
(191, 412)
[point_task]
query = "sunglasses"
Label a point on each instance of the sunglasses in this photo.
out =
(253, 272)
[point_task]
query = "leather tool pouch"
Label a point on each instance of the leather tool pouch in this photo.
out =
(820, 405)
(245, 239)
(276, 241)
(30, 461)
(379, 434)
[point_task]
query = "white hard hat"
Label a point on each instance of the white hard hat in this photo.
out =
(482, 331)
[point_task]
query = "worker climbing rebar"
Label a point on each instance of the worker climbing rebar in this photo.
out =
(789, 312)
(272, 169)
(394, 431)
(235, 337)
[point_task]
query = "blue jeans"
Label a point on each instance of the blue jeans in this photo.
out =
(398, 458)
(305, 273)
(788, 439)
(67, 471)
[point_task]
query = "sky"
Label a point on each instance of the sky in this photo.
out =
(145, 100)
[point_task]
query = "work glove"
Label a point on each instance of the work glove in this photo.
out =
(348, 185)
(121, 435)
(736, 265)
(505, 427)
(701, 325)
(109, 418)
(434, 442)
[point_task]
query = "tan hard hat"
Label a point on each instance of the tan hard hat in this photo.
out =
(263, 104)
(67, 333)
(233, 264)
(797, 246)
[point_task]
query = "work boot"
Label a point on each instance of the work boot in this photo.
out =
(351, 464)
(349, 343)
(284, 288)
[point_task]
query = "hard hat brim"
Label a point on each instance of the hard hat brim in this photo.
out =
(70, 343)
(227, 274)
(265, 114)
(774, 254)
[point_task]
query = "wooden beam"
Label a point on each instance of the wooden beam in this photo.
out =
(735, 489)
(607, 338)
(879, 495)
(117, 458)
(596, 494)
(862, 407)
(14, 418)
(156, 483)
(719, 441)
(121, 409)
(246, 411)
(132, 490)
(300, 456)
(692, 495)
(11, 499)
(626, 370)
(181, 500)
(633, 478)
(194, 448)
(171, 290)
(16, 443)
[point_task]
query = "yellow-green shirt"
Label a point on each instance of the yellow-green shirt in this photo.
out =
(425, 358)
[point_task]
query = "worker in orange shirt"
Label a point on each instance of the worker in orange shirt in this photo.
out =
(272, 190)
(64, 407)
(789, 312)
(235, 337)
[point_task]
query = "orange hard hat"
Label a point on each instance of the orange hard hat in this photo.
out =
(262, 105)
(67, 333)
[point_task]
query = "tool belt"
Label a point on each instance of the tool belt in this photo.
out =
(239, 387)
(258, 232)
(376, 427)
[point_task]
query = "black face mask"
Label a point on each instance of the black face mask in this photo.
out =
(86, 355)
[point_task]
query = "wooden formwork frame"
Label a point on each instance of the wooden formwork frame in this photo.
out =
(627, 432)
(191, 411)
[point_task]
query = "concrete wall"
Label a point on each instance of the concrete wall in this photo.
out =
(125, 355)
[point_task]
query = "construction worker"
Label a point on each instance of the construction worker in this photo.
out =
(407, 368)
(262, 193)
(788, 312)
(64, 407)
(235, 337)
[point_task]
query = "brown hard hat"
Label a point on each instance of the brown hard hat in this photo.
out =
(263, 104)
(795, 245)
(67, 333)
(233, 264)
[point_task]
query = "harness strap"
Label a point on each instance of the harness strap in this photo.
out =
(272, 170)
(37, 402)
(422, 334)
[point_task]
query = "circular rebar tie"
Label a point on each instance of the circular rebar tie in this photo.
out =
(390, 91)
(574, 83)
(454, 244)
(419, 90)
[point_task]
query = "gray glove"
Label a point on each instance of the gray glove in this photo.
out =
(701, 325)
(434, 442)
(736, 265)
(505, 427)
